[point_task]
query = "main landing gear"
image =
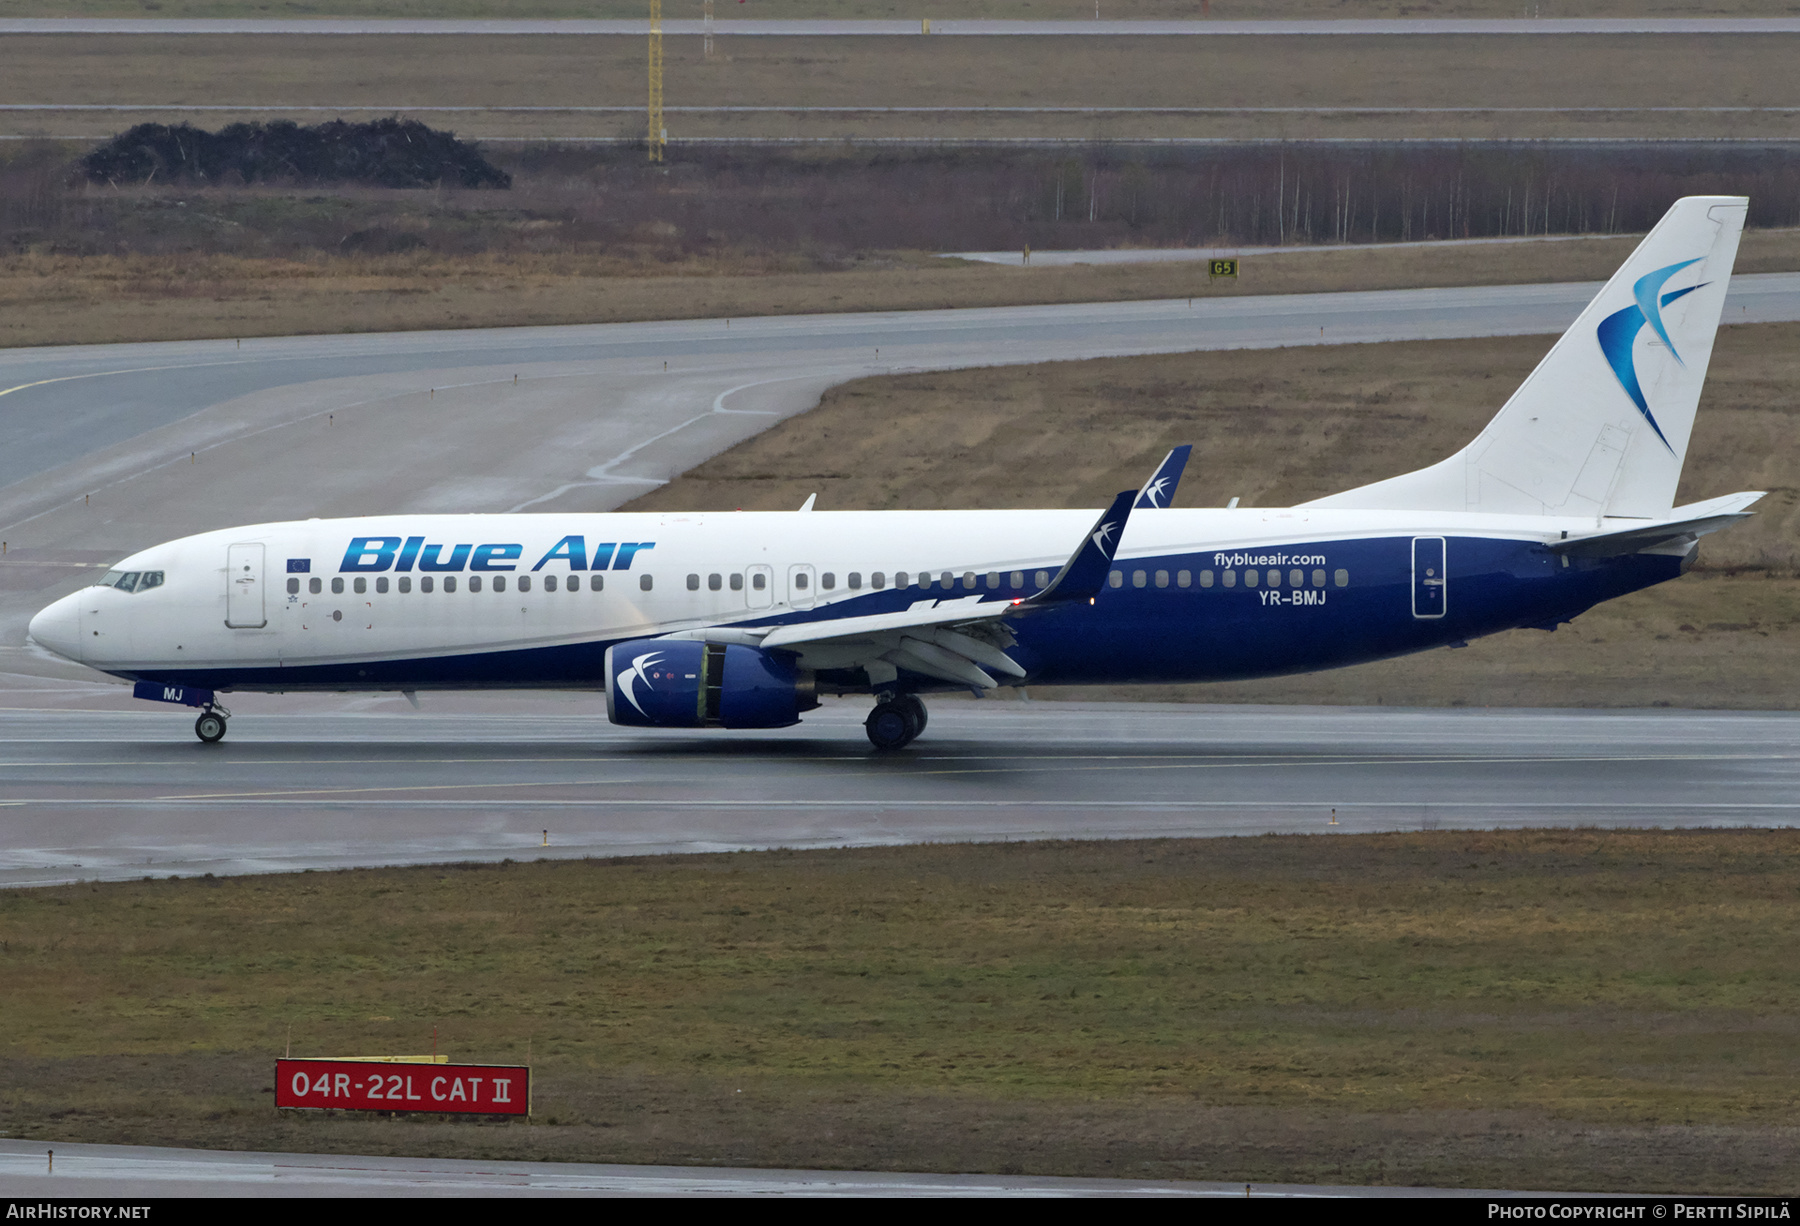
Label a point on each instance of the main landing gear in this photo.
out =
(210, 727)
(896, 722)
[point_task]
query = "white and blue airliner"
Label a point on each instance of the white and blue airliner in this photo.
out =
(743, 620)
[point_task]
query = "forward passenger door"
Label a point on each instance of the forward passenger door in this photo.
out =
(244, 587)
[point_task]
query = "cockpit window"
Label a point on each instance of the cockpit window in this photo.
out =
(132, 580)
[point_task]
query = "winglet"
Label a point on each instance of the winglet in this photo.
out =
(808, 504)
(1084, 574)
(1159, 490)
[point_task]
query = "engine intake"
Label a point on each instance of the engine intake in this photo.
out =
(680, 683)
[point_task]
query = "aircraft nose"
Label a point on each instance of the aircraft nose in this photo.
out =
(58, 627)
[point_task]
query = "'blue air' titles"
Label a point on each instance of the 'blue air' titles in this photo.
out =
(371, 554)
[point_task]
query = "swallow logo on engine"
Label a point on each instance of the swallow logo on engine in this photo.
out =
(627, 680)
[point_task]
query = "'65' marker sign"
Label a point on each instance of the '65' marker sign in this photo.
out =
(352, 1085)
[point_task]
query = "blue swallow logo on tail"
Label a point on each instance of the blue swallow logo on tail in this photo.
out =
(1618, 332)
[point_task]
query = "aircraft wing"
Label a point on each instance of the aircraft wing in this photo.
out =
(962, 640)
(1685, 526)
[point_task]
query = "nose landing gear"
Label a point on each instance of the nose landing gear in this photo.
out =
(896, 722)
(210, 727)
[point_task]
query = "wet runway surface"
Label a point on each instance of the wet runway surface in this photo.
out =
(904, 28)
(151, 1172)
(109, 795)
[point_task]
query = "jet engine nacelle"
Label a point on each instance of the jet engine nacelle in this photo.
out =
(680, 683)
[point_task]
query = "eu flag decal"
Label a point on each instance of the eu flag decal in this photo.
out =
(299, 566)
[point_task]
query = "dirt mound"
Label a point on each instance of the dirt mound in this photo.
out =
(383, 153)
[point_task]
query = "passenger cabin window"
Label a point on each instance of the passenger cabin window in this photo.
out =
(405, 584)
(1042, 579)
(596, 583)
(549, 583)
(899, 579)
(1162, 578)
(759, 581)
(449, 583)
(524, 583)
(1137, 578)
(1296, 578)
(693, 583)
(1184, 578)
(1274, 578)
(474, 583)
(1341, 578)
(1318, 578)
(854, 580)
(968, 581)
(1250, 578)
(315, 586)
(425, 583)
(1206, 578)
(878, 581)
(1018, 579)
(737, 582)
(993, 580)
(800, 580)
(337, 587)
(714, 582)
(361, 585)
(947, 580)
(381, 584)
(645, 583)
(1116, 578)
(827, 581)
(499, 583)
(293, 587)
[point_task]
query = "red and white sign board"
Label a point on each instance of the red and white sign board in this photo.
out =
(353, 1085)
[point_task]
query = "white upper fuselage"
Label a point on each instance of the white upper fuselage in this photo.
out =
(689, 572)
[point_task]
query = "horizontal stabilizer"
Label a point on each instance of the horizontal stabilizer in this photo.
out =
(1686, 525)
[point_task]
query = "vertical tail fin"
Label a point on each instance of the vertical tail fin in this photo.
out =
(1601, 426)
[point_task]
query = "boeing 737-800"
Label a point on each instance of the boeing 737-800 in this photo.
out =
(743, 620)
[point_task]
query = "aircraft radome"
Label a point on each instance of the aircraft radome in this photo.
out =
(743, 620)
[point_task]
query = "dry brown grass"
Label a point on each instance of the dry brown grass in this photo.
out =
(53, 300)
(1543, 1009)
(260, 72)
(1277, 427)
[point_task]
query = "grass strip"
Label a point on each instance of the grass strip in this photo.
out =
(1576, 1009)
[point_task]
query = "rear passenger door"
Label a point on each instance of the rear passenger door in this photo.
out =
(1430, 585)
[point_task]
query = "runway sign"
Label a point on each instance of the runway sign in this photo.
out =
(1221, 268)
(353, 1085)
